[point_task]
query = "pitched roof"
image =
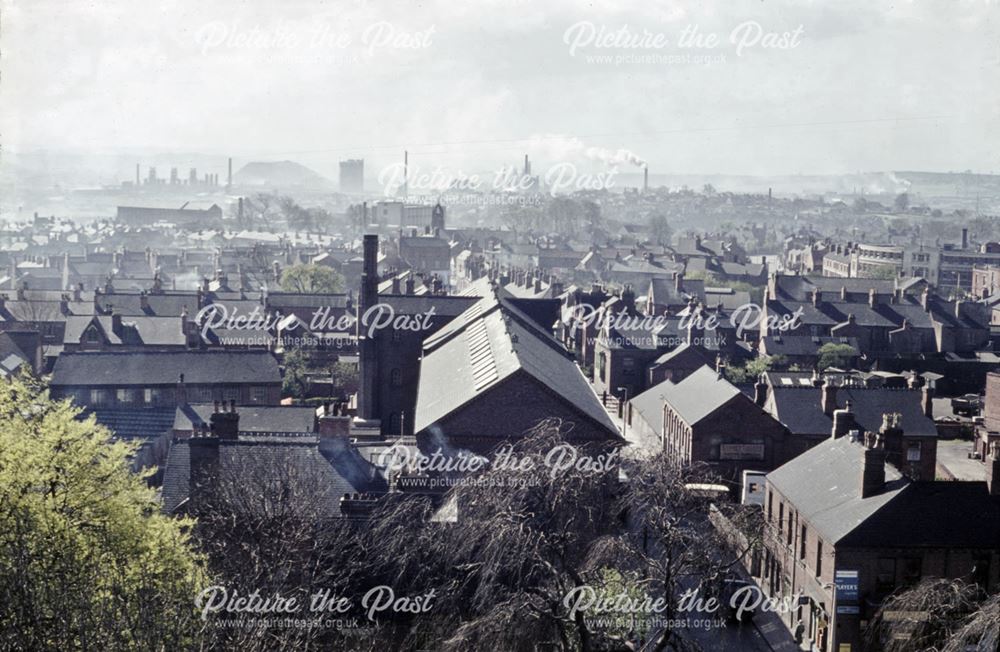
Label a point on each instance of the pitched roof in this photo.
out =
(824, 485)
(253, 418)
(165, 368)
(484, 346)
(698, 395)
(341, 468)
(134, 423)
(799, 408)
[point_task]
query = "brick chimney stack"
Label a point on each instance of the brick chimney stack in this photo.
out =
(225, 422)
(843, 421)
(873, 465)
(828, 398)
(927, 401)
(760, 391)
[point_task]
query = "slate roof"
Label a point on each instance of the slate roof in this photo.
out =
(798, 407)
(802, 345)
(824, 485)
(488, 343)
(664, 291)
(165, 367)
(136, 330)
(698, 395)
(800, 288)
(253, 418)
(169, 304)
(340, 467)
(135, 423)
(685, 354)
(729, 298)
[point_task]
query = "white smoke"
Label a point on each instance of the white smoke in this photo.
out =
(560, 147)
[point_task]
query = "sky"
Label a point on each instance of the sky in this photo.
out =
(803, 87)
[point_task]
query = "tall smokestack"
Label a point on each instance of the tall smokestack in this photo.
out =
(965, 238)
(137, 181)
(229, 179)
(527, 166)
(406, 173)
(645, 178)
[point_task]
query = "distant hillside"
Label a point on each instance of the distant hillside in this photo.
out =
(279, 174)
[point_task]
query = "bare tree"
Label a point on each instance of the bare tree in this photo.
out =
(923, 617)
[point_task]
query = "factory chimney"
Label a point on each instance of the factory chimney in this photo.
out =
(645, 179)
(137, 181)
(229, 178)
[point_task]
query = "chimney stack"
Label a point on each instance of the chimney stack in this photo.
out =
(760, 391)
(645, 179)
(116, 322)
(965, 238)
(927, 401)
(229, 178)
(828, 399)
(225, 423)
(873, 465)
(843, 421)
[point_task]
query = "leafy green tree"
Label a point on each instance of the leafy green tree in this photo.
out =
(87, 559)
(311, 279)
(296, 381)
(752, 370)
(837, 355)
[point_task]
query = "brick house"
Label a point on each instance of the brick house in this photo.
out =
(844, 529)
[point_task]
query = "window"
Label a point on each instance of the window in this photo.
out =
(149, 394)
(397, 378)
(781, 517)
(791, 529)
(885, 578)
(802, 543)
(911, 570)
(770, 504)
(913, 452)
(124, 395)
(98, 396)
(258, 394)
(231, 394)
(199, 394)
(819, 558)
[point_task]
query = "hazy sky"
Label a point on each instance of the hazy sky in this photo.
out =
(858, 85)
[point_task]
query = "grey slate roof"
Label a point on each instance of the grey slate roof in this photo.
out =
(824, 485)
(698, 395)
(340, 468)
(135, 423)
(253, 418)
(484, 346)
(165, 368)
(798, 407)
